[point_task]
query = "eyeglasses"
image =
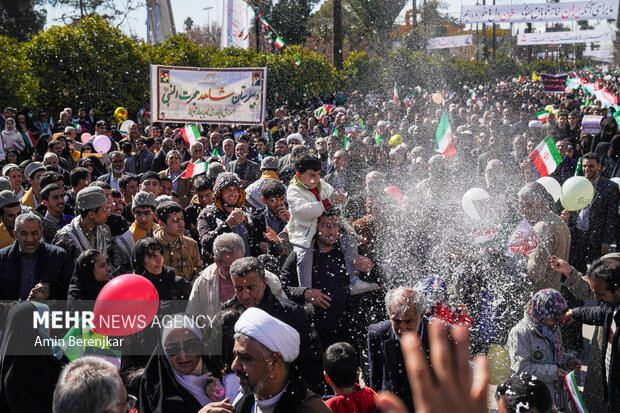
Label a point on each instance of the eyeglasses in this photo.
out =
(190, 347)
(130, 403)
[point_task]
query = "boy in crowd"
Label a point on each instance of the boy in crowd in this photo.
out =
(341, 369)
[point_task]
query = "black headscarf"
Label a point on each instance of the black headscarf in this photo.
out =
(27, 381)
(615, 148)
(83, 285)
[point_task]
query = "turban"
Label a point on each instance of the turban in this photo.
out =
(274, 334)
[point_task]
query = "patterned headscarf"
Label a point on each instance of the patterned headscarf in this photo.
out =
(546, 304)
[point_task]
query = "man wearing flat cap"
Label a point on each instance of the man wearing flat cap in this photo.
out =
(33, 172)
(88, 230)
(143, 210)
(10, 208)
(264, 348)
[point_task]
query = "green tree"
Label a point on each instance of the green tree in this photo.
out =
(92, 64)
(377, 20)
(289, 18)
(18, 87)
(19, 18)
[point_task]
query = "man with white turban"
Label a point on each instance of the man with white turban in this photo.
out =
(264, 348)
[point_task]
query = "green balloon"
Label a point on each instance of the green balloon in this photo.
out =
(577, 193)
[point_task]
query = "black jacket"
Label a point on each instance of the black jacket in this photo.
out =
(603, 214)
(387, 364)
(310, 360)
(53, 264)
(296, 398)
(602, 316)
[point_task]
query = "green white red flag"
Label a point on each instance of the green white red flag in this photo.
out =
(395, 95)
(141, 116)
(28, 138)
(542, 115)
(190, 133)
(444, 140)
(279, 42)
(194, 169)
(546, 157)
(574, 393)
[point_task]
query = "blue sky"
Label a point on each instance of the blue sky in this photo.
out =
(136, 22)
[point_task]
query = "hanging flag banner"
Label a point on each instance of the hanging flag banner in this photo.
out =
(203, 95)
(579, 36)
(235, 29)
(449, 41)
(554, 83)
(541, 12)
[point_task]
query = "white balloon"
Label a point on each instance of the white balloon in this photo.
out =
(474, 194)
(125, 126)
(552, 186)
(616, 179)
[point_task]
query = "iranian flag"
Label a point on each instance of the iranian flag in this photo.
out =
(542, 115)
(444, 140)
(395, 95)
(297, 61)
(141, 116)
(573, 391)
(523, 240)
(190, 133)
(279, 42)
(194, 169)
(28, 138)
(546, 157)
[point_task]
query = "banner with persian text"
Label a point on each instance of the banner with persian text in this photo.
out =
(203, 95)
(580, 36)
(541, 12)
(449, 41)
(553, 83)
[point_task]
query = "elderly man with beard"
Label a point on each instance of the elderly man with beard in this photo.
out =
(117, 170)
(264, 348)
(405, 307)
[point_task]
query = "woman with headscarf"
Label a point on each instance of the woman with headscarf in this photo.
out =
(28, 372)
(91, 273)
(535, 344)
(604, 152)
(177, 377)
(11, 138)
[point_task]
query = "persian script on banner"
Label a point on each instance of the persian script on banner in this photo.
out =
(579, 36)
(554, 83)
(449, 41)
(541, 12)
(202, 95)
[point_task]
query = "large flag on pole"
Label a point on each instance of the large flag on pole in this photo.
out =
(444, 140)
(546, 157)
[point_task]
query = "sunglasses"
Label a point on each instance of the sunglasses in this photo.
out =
(189, 347)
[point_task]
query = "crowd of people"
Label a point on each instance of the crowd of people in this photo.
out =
(330, 244)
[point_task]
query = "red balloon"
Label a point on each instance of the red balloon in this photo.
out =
(125, 305)
(85, 137)
(394, 192)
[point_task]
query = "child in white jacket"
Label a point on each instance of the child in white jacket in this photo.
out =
(308, 197)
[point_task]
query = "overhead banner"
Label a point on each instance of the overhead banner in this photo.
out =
(235, 29)
(580, 36)
(202, 95)
(554, 83)
(449, 41)
(542, 12)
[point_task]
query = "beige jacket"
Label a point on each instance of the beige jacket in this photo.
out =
(555, 237)
(205, 296)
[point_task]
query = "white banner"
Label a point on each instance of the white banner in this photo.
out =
(235, 29)
(449, 41)
(580, 36)
(202, 95)
(543, 12)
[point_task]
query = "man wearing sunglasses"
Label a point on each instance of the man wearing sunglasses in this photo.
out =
(91, 384)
